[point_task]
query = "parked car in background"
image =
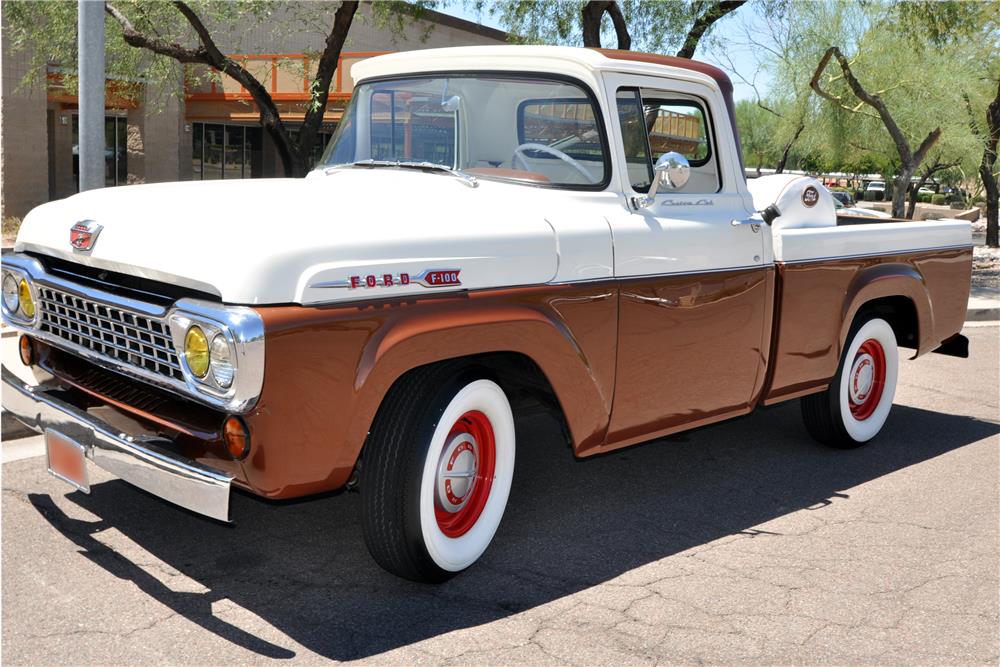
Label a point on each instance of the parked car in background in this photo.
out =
(876, 186)
(858, 212)
(844, 198)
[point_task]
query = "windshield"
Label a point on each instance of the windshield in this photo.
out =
(528, 129)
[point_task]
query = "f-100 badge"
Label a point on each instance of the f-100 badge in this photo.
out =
(427, 278)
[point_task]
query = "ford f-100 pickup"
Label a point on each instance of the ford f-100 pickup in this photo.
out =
(488, 227)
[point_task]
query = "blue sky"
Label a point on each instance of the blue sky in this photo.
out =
(745, 60)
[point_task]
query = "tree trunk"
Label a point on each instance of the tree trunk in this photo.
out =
(914, 195)
(788, 149)
(899, 185)
(704, 22)
(986, 167)
(992, 199)
(592, 14)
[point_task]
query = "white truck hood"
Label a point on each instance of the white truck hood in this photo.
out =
(275, 240)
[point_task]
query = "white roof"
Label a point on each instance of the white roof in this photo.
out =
(580, 63)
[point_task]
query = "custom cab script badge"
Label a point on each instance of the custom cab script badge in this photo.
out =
(83, 235)
(427, 278)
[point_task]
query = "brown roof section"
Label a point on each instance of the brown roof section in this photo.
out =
(720, 77)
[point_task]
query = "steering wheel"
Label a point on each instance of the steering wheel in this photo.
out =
(518, 157)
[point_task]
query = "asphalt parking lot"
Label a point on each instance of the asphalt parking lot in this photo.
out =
(743, 542)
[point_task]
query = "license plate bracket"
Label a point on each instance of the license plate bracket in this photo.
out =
(67, 459)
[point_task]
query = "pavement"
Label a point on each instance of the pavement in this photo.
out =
(740, 543)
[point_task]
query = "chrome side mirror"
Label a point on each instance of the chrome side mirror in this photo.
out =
(672, 170)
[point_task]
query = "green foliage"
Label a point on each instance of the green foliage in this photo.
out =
(47, 32)
(656, 26)
(918, 74)
(939, 199)
(756, 126)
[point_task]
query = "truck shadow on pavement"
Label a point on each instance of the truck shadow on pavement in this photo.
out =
(303, 567)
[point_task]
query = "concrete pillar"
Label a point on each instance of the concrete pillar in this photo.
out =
(90, 38)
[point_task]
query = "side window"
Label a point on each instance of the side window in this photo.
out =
(569, 126)
(678, 126)
(670, 122)
(640, 168)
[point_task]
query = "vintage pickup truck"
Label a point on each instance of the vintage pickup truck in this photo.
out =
(489, 228)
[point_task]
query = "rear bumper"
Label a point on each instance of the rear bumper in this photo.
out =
(139, 461)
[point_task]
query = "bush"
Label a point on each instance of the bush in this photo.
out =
(939, 199)
(923, 198)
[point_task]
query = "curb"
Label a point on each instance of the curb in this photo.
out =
(982, 314)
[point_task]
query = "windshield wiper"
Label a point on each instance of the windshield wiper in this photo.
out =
(468, 179)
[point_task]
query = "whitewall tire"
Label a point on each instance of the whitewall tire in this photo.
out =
(857, 403)
(437, 472)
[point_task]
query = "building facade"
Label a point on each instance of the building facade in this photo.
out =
(205, 126)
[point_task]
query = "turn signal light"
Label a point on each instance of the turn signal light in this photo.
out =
(237, 438)
(26, 348)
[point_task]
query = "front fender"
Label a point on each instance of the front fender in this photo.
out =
(328, 369)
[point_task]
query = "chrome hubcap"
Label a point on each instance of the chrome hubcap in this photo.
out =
(862, 378)
(457, 472)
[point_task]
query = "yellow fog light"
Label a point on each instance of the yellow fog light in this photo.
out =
(24, 296)
(196, 351)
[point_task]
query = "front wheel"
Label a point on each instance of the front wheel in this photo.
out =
(854, 408)
(439, 463)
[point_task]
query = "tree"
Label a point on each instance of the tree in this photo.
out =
(678, 25)
(756, 125)
(150, 40)
(909, 158)
(989, 134)
(932, 167)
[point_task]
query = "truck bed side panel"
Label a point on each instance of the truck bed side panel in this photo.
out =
(818, 301)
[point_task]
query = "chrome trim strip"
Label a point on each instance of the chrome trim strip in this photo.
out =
(142, 463)
(960, 246)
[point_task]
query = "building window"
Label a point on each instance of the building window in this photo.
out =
(225, 151)
(115, 150)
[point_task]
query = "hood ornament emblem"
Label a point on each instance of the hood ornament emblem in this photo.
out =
(83, 235)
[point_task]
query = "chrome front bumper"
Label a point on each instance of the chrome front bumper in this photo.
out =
(140, 462)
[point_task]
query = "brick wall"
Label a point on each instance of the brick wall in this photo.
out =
(23, 138)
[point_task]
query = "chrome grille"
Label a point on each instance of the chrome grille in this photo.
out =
(116, 334)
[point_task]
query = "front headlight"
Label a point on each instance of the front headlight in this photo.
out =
(222, 352)
(222, 362)
(24, 295)
(10, 292)
(196, 351)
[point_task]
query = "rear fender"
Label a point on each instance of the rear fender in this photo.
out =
(890, 280)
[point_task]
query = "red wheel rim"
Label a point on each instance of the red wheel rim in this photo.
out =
(465, 474)
(866, 379)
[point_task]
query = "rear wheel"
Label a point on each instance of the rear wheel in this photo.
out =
(854, 408)
(439, 463)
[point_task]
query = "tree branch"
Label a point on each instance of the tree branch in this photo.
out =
(170, 49)
(704, 22)
(591, 16)
(270, 117)
(875, 102)
(320, 88)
